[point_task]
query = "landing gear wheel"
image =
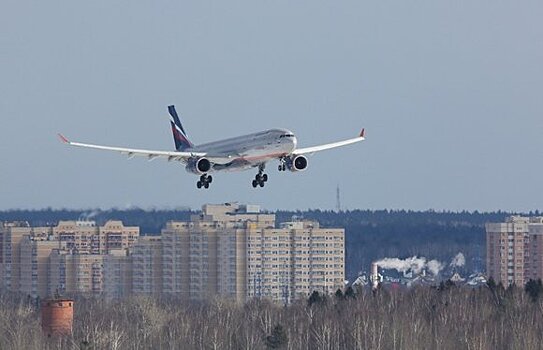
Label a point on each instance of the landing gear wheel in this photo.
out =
(260, 178)
(204, 181)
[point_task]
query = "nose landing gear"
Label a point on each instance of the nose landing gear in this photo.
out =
(282, 164)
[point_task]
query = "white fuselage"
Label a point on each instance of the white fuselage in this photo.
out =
(242, 152)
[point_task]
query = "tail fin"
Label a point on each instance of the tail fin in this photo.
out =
(182, 142)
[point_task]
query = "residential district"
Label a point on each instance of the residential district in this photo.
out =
(229, 250)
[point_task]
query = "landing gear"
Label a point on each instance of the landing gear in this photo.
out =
(204, 181)
(282, 165)
(260, 178)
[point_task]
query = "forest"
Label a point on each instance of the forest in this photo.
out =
(445, 317)
(370, 234)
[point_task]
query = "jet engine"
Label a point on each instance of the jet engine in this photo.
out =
(198, 166)
(297, 163)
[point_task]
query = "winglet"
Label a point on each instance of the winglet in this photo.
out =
(63, 139)
(362, 132)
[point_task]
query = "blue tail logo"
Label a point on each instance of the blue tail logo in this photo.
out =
(180, 138)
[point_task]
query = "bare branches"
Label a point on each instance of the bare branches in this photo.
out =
(419, 318)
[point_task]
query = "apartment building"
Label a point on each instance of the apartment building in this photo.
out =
(291, 262)
(236, 251)
(515, 250)
(117, 274)
(535, 260)
(193, 255)
(70, 273)
(85, 237)
(146, 263)
(11, 236)
(34, 263)
(175, 259)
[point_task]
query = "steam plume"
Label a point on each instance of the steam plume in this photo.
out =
(458, 261)
(414, 264)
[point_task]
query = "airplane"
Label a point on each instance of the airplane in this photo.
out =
(233, 154)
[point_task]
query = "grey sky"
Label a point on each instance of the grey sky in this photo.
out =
(450, 94)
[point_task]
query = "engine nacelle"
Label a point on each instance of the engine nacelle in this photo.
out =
(297, 163)
(199, 166)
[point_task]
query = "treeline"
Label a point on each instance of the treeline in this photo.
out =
(421, 318)
(370, 235)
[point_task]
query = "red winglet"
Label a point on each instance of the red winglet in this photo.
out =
(362, 132)
(63, 139)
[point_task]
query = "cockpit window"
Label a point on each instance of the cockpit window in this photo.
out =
(286, 135)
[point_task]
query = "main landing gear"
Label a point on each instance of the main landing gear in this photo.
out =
(204, 181)
(260, 178)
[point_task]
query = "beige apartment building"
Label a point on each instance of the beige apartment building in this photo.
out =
(11, 236)
(195, 259)
(515, 250)
(71, 273)
(291, 262)
(34, 262)
(236, 251)
(85, 237)
(146, 263)
(117, 274)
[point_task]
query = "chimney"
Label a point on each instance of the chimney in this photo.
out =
(374, 277)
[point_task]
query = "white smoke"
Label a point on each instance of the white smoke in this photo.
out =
(458, 261)
(88, 215)
(434, 267)
(414, 264)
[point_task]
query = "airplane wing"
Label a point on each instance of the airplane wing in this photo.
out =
(314, 149)
(131, 152)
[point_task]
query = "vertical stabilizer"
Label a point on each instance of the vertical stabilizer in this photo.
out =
(180, 138)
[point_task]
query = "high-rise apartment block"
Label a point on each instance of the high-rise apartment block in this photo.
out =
(11, 236)
(71, 273)
(84, 237)
(34, 262)
(147, 266)
(515, 250)
(117, 274)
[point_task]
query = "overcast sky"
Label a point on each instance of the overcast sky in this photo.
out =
(450, 94)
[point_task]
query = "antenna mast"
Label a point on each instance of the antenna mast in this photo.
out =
(338, 199)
